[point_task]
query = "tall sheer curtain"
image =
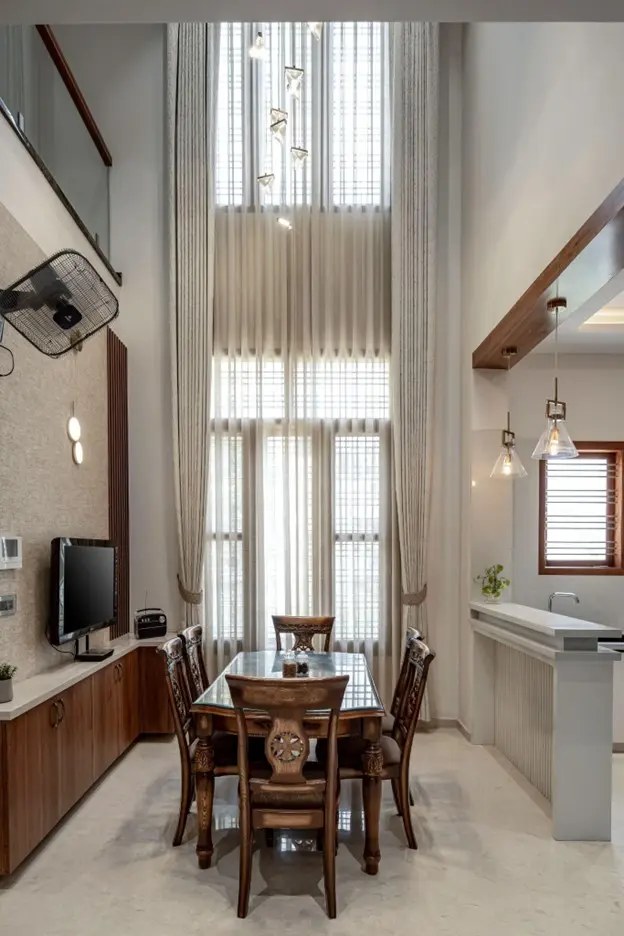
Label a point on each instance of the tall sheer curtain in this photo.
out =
(301, 516)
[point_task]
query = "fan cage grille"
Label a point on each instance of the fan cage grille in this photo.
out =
(67, 276)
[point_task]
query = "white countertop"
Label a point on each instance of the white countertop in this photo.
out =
(546, 623)
(32, 692)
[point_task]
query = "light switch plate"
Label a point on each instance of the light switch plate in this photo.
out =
(8, 605)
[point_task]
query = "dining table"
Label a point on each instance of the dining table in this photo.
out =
(361, 714)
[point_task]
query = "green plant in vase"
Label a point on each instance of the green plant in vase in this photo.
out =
(493, 583)
(7, 672)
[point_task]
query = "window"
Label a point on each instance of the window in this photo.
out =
(299, 496)
(341, 117)
(581, 512)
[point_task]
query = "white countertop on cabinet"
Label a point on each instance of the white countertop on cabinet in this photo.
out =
(32, 692)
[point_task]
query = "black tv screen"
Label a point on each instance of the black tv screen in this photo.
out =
(82, 586)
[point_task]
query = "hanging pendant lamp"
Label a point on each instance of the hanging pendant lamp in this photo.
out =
(508, 464)
(555, 441)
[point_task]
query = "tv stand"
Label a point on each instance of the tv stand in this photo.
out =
(91, 656)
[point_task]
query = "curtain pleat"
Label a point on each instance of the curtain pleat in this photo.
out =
(193, 54)
(413, 248)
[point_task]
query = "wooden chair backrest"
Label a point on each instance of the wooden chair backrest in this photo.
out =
(177, 686)
(287, 745)
(193, 638)
(303, 629)
(398, 689)
(406, 718)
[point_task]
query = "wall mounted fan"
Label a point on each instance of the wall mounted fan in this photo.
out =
(59, 304)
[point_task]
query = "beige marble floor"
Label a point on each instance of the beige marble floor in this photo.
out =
(486, 863)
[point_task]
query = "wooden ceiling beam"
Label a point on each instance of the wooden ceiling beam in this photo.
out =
(588, 261)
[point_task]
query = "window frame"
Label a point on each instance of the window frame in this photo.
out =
(615, 453)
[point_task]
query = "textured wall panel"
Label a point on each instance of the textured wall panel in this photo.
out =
(118, 511)
(42, 493)
(524, 714)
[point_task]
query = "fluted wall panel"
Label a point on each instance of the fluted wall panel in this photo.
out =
(524, 714)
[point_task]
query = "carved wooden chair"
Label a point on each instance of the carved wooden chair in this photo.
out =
(225, 746)
(387, 725)
(397, 747)
(198, 681)
(291, 794)
(303, 629)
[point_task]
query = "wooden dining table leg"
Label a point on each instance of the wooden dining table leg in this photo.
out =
(372, 763)
(203, 767)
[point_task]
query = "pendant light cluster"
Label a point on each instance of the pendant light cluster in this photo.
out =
(278, 116)
(555, 442)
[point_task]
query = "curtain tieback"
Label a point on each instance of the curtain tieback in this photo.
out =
(190, 597)
(414, 599)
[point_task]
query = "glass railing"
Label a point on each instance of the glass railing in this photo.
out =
(34, 91)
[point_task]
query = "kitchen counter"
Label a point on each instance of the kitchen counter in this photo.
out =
(542, 694)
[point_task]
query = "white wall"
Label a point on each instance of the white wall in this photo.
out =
(544, 137)
(593, 387)
(120, 70)
(444, 587)
(543, 119)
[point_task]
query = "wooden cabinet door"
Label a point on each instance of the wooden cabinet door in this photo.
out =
(32, 775)
(156, 717)
(106, 717)
(129, 707)
(75, 735)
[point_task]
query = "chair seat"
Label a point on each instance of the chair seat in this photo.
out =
(351, 749)
(387, 724)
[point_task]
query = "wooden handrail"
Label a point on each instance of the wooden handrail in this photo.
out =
(62, 66)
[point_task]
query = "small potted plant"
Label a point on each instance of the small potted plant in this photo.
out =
(492, 583)
(7, 672)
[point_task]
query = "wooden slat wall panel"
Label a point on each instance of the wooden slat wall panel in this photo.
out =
(118, 501)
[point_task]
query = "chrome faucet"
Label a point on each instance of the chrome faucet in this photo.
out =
(562, 595)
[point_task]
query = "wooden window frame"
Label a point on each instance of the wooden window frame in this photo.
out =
(580, 567)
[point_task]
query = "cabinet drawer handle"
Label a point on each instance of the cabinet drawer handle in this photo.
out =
(116, 676)
(61, 703)
(121, 670)
(54, 715)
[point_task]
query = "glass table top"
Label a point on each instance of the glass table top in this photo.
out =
(360, 695)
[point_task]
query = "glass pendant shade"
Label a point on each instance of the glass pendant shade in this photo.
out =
(294, 78)
(258, 49)
(266, 181)
(278, 129)
(278, 113)
(508, 464)
(316, 29)
(555, 441)
(299, 155)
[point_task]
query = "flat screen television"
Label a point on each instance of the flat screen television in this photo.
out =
(83, 588)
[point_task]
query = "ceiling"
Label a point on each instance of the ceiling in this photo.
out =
(596, 331)
(161, 11)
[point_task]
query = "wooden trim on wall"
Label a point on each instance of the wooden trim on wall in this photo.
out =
(62, 66)
(593, 256)
(118, 492)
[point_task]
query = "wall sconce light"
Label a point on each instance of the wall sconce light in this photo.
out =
(77, 453)
(74, 431)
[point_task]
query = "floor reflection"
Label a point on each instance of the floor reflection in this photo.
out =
(350, 820)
